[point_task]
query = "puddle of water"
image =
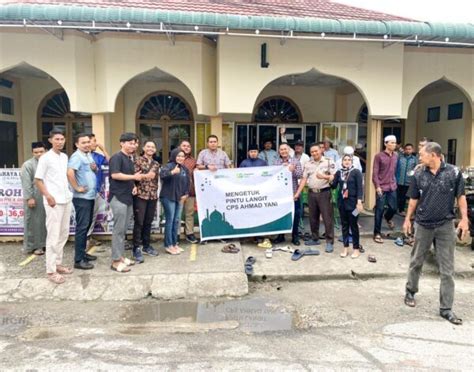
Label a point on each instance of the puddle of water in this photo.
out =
(253, 315)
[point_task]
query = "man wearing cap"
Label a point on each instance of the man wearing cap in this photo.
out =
(122, 179)
(254, 161)
(34, 235)
(318, 174)
(383, 177)
(349, 150)
(269, 155)
(329, 152)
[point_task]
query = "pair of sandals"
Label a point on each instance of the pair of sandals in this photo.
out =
(57, 277)
(230, 248)
(123, 266)
(298, 253)
(353, 255)
(447, 314)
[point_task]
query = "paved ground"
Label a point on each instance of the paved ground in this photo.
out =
(330, 325)
(204, 271)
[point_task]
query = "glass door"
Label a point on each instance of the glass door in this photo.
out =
(292, 134)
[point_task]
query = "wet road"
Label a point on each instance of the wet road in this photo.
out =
(281, 326)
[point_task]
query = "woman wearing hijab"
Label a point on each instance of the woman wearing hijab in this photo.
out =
(174, 191)
(349, 200)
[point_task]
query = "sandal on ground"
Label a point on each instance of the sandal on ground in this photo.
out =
(378, 239)
(64, 270)
(265, 244)
(120, 268)
(172, 251)
(343, 254)
(355, 254)
(269, 253)
(127, 261)
(250, 260)
(38, 252)
(56, 278)
(372, 258)
(450, 317)
(230, 248)
(410, 299)
(286, 249)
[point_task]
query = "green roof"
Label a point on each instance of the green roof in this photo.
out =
(138, 16)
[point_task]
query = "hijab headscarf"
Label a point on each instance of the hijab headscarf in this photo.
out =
(345, 172)
(174, 154)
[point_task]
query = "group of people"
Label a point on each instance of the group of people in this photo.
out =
(431, 185)
(53, 183)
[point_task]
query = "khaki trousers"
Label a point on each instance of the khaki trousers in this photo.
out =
(57, 233)
(189, 215)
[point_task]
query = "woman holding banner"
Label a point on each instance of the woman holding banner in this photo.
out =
(174, 191)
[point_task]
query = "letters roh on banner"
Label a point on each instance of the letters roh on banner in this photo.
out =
(244, 202)
(11, 206)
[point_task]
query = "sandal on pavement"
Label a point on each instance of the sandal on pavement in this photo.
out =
(38, 252)
(128, 261)
(172, 251)
(64, 270)
(250, 260)
(450, 317)
(265, 244)
(56, 278)
(230, 248)
(297, 254)
(286, 249)
(269, 253)
(372, 258)
(120, 268)
(343, 253)
(378, 239)
(355, 255)
(410, 299)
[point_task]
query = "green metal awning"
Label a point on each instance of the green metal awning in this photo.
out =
(137, 16)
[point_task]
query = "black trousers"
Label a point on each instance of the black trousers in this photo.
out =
(144, 213)
(349, 224)
(401, 197)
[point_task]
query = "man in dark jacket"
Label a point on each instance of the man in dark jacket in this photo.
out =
(253, 160)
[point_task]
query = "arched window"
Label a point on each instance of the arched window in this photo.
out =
(55, 112)
(277, 110)
(167, 119)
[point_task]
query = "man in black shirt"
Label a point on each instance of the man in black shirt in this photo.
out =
(122, 179)
(433, 190)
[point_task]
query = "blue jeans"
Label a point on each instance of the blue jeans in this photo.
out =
(173, 210)
(84, 210)
(389, 198)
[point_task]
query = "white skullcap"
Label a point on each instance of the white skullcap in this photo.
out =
(390, 138)
(348, 150)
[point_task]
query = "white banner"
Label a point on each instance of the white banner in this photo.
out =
(244, 202)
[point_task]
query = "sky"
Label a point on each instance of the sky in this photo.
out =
(423, 10)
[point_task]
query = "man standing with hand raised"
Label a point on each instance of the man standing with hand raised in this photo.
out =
(122, 179)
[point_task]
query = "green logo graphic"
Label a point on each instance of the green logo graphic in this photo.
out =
(215, 224)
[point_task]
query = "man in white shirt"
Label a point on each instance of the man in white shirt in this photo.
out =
(51, 180)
